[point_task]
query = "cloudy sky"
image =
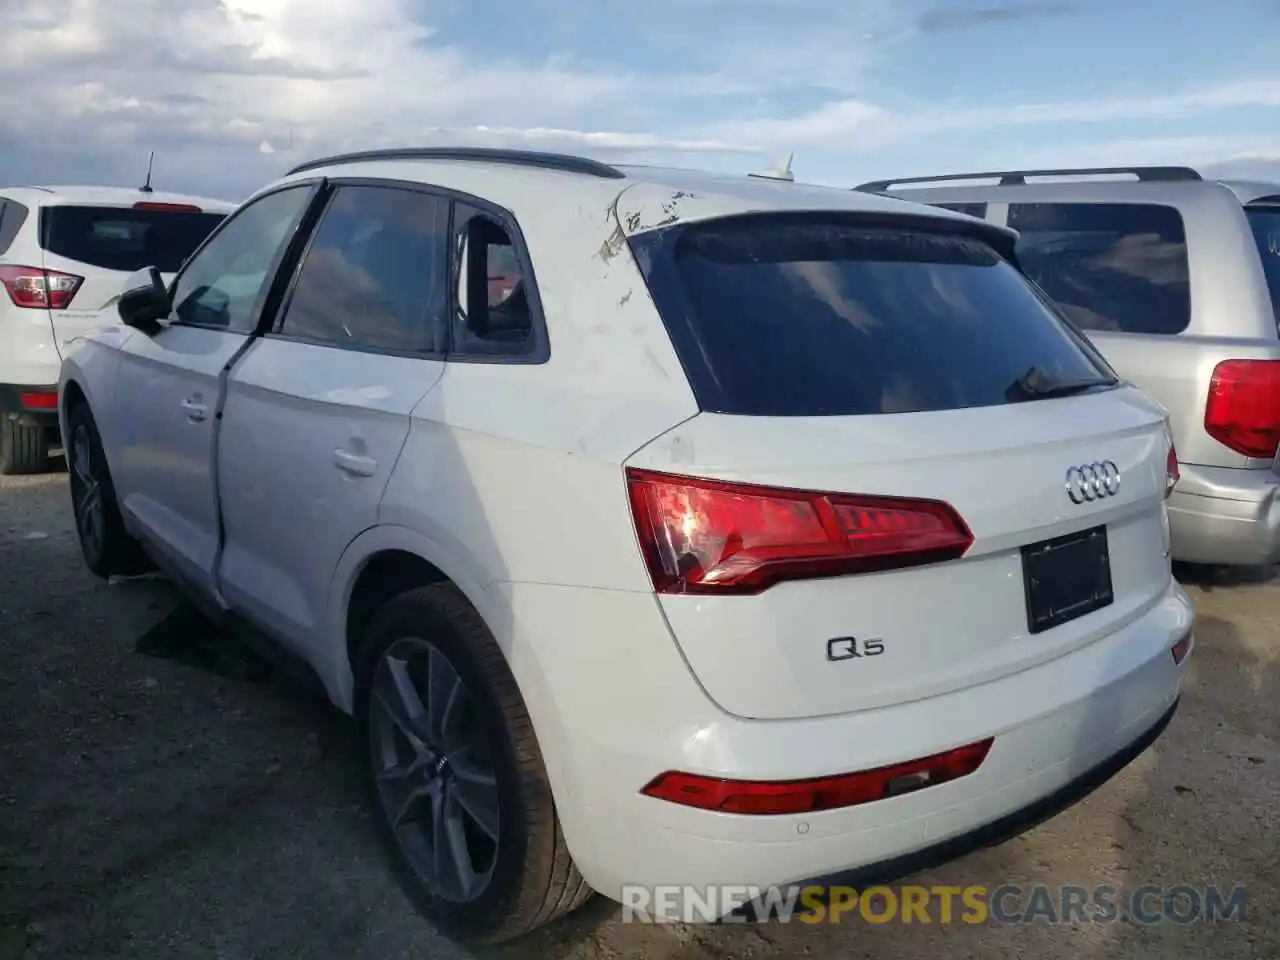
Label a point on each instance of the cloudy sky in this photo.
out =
(230, 93)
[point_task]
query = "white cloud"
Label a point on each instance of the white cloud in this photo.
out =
(229, 92)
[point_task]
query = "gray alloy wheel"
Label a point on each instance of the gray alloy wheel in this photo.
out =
(433, 771)
(87, 489)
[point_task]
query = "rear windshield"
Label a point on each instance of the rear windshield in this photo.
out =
(123, 238)
(1266, 230)
(803, 316)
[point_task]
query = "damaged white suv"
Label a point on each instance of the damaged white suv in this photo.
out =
(657, 527)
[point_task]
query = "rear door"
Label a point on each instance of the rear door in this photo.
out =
(89, 250)
(878, 503)
(317, 410)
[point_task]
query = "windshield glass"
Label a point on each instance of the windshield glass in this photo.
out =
(799, 315)
(1266, 230)
(125, 238)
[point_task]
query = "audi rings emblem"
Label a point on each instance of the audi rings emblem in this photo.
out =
(1093, 481)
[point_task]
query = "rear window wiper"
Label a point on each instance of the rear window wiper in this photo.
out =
(1035, 384)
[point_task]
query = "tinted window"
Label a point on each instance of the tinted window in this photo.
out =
(123, 238)
(492, 315)
(978, 210)
(1109, 266)
(222, 284)
(374, 275)
(1266, 230)
(809, 316)
(12, 216)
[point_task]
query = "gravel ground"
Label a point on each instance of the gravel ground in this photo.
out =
(166, 797)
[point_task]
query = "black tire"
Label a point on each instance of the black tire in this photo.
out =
(23, 448)
(533, 879)
(106, 546)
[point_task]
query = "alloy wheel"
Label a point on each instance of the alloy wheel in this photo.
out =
(86, 493)
(433, 770)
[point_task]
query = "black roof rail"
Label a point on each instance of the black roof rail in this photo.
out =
(526, 158)
(1012, 177)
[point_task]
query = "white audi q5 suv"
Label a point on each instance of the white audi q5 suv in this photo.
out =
(657, 527)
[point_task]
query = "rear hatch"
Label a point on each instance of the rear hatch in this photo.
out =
(908, 476)
(89, 250)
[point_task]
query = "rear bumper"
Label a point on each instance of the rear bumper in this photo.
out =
(621, 707)
(17, 402)
(1225, 516)
(998, 831)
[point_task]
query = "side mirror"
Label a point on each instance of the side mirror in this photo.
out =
(145, 301)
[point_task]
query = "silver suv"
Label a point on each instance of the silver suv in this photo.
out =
(1176, 279)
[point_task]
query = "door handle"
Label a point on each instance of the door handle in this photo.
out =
(196, 412)
(354, 463)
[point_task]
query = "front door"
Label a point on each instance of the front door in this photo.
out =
(169, 386)
(317, 411)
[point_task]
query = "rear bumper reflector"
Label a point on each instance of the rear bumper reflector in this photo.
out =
(39, 401)
(780, 797)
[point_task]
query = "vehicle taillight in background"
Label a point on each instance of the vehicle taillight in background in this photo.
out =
(1243, 408)
(1172, 474)
(713, 537)
(34, 288)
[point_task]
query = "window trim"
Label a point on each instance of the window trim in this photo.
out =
(266, 301)
(542, 350)
(1186, 250)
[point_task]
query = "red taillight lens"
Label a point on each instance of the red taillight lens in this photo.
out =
(1172, 473)
(709, 536)
(39, 401)
(34, 288)
(1243, 408)
(771, 798)
(1181, 649)
(169, 207)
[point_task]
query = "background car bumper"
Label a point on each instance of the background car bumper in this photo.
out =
(1053, 724)
(1227, 516)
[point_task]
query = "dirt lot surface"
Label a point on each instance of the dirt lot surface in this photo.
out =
(176, 801)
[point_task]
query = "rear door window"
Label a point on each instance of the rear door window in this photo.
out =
(1109, 266)
(811, 315)
(125, 238)
(12, 216)
(1265, 222)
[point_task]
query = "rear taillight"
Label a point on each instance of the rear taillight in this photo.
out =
(1172, 474)
(35, 288)
(1243, 408)
(713, 537)
(765, 798)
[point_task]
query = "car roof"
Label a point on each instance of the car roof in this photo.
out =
(1250, 191)
(1151, 183)
(644, 197)
(41, 196)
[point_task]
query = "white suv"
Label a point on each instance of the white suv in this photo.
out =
(64, 254)
(756, 532)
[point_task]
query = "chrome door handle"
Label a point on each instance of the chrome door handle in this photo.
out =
(196, 412)
(354, 463)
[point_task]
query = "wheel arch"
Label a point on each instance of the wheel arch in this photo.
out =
(372, 557)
